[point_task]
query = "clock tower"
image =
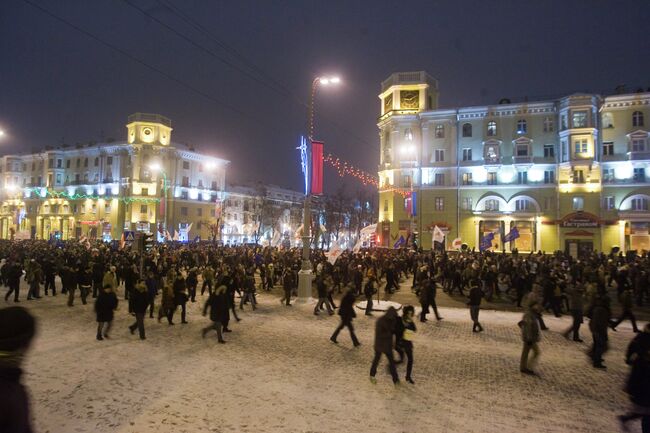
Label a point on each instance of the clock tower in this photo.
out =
(144, 128)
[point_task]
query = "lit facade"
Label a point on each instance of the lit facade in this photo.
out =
(569, 174)
(100, 190)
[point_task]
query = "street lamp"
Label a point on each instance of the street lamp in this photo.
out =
(305, 275)
(156, 167)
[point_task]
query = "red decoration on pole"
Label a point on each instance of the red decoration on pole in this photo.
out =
(316, 167)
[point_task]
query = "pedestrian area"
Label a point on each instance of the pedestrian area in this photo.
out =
(279, 372)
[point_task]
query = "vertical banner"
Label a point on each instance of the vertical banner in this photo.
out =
(316, 167)
(413, 200)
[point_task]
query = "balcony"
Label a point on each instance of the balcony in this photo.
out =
(492, 160)
(527, 159)
(638, 155)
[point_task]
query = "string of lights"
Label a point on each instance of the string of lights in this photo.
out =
(66, 195)
(344, 168)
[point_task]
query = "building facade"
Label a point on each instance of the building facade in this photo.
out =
(265, 214)
(145, 183)
(568, 174)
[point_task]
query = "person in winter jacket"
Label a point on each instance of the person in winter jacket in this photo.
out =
(192, 281)
(384, 330)
(17, 329)
(105, 305)
(110, 279)
(369, 290)
(626, 304)
(638, 383)
(474, 303)
(180, 296)
(600, 316)
(576, 306)
(287, 285)
(530, 337)
(167, 304)
(404, 330)
(347, 313)
(140, 302)
(321, 287)
(218, 305)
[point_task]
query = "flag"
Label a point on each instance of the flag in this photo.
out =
(317, 167)
(335, 252)
(438, 235)
(189, 228)
(486, 242)
(175, 238)
(511, 236)
(197, 238)
(456, 244)
(357, 246)
(122, 241)
(400, 242)
(275, 240)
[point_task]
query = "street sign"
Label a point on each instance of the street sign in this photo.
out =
(129, 236)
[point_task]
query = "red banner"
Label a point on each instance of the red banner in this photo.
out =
(316, 167)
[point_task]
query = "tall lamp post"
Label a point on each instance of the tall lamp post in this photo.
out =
(305, 274)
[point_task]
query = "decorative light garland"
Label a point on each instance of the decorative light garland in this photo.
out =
(344, 168)
(64, 194)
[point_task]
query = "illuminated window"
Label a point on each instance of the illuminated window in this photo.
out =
(466, 204)
(578, 203)
(581, 146)
(579, 119)
(440, 131)
(637, 118)
(522, 126)
(492, 178)
(608, 175)
(523, 205)
(492, 128)
(143, 208)
(467, 130)
(549, 124)
(467, 178)
(439, 203)
(491, 154)
(578, 176)
(492, 205)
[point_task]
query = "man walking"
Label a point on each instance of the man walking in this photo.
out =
(384, 330)
(347, 313)
(474, 303)
(530, 337)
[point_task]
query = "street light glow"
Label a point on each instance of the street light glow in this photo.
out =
(329, 80)
(335, 80)
(2, 133)
(154, 166)
(211, 165)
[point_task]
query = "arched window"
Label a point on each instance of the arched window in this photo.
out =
(637, 118)
(467, 129)
(521, 126)
(492, 128)
(523, 205)
(492, 205)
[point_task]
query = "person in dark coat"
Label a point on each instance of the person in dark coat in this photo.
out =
(530, 337)
(218, 305)
(140, 302)
(384, 330)
(180, 296)
(84, 281)
(105, 305)
(638, 383)
(17, 329)
(368, 291)
(347, 313)
(14, 272)
(287, 285)
(404, 330)
(68, 281)
(474, 303)
(192, 281)
(321, 288)
(600, 316)
(626, 304)
(576, 308)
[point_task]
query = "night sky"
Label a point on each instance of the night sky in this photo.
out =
(252, 79)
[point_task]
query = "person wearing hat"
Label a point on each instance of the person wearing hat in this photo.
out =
(346, 311)
(474, 303)
(17, 329)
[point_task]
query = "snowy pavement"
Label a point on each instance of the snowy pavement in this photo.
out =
(280, 373)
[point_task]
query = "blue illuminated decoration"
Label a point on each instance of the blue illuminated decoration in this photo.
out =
(304, 161)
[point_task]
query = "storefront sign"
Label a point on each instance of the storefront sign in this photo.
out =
(580, 220)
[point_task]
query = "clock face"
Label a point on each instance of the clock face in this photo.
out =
(147, 131)
(409, 99)
(388, 103)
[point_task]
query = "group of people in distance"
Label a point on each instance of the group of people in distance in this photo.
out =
(168, 277)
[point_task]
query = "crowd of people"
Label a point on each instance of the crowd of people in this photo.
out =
(170, 274)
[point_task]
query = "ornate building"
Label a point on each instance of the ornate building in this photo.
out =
(569, 174)
(98, 191)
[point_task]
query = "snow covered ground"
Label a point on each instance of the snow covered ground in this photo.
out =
(280, 373)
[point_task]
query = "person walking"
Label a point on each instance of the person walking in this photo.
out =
(17, 330)
(180, 296)
(105, 305)
(530, 336)
(474, 303)
(626, 305)
(218, 309)
(14, 272)
(85, 282)
(405, 328)
(638, 383)
(140, 303)
(167, 304)
(600, 316)
(321, 287)
(369, 290)
(384, 330)
(576, 309)
(287, 286)
(347, 313)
